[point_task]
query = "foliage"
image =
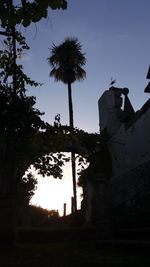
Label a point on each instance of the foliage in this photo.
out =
(33, 141)
(25, 12)
(37, 216)
(27, 187)
(100, 161)
(67, 61)
(17, 114)
(30, 215)
(20, 123)
(53, 213)
(9, 68)
(22, 132)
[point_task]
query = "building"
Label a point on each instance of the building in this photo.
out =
(122, 198)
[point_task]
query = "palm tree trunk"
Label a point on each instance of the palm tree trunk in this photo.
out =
(73, 162)
(71, 123)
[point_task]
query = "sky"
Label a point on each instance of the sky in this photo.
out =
(115, 36)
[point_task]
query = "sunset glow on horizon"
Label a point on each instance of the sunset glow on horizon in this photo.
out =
(52, 193)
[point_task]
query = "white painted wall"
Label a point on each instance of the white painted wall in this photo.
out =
(131, 147)
(107, 112)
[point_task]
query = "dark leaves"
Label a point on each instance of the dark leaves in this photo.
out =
(27, 12)
(67, 61)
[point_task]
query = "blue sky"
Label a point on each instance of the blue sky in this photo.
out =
(115, 35)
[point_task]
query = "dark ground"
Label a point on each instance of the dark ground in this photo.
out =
(69, 248)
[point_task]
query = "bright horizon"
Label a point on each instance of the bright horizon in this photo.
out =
(52, 193)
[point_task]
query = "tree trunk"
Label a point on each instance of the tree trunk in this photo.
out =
(8, 192)
(71, 122)
(73, 162)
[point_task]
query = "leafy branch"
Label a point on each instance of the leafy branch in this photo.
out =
(26, 12)
(8, 68)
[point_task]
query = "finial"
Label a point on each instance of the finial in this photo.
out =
(112, 81)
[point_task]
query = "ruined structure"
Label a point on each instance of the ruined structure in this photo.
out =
(129, 146)
(123, 199)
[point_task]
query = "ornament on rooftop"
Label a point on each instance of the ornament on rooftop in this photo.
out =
(113, 81)
(147, 88)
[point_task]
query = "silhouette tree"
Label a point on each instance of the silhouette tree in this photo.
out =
(67, 61)
(25, 12)
(26, 189)
(20, 121)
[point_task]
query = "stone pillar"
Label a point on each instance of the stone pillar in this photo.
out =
(72, 205)
(64, 213)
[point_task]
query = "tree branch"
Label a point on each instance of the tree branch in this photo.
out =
(5, 33)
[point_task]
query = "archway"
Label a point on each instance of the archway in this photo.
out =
(52, 193)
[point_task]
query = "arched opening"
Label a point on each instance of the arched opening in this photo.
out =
(52, 193)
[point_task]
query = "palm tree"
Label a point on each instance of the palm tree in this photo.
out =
(67, 61)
